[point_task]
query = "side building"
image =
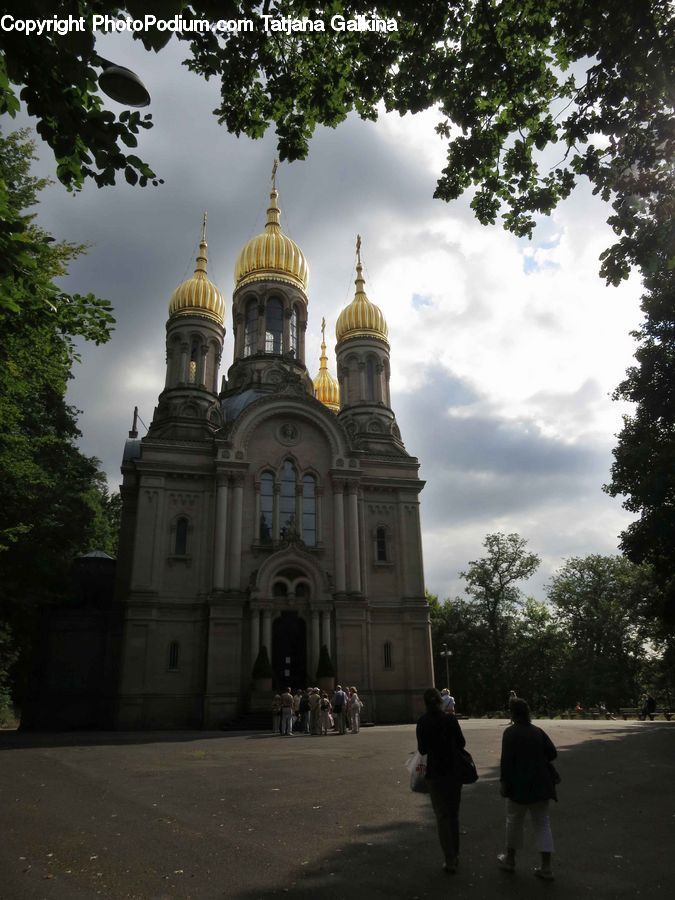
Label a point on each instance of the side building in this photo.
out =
(279, 511)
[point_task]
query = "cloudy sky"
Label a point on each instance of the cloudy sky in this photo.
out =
(504, 351)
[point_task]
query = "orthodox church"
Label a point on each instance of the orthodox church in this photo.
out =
(270, 510)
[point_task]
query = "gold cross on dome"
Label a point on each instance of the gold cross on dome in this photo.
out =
(204, 227)
(323, 329)
(275, 166)
(358, 249)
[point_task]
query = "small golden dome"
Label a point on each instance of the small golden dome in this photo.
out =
(272, 255)
(198, 296)
(361, 317)
(326, 388)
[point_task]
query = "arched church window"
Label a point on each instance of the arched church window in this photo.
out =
(381, 544)
(309, 510)
(251, 328)
(370, 378)
(274, 324)
(294, 331)
(192, 367)
(174, 656)
(280, 589)
(388, 655)
(287, 499)
(180, 546)
(266, 506)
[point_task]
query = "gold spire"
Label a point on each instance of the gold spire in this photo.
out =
(272, 256)
(361, 317)
(198, 296)
(326, 387)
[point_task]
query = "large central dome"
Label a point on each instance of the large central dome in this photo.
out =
(272, 255)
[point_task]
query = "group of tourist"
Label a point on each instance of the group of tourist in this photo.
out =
(527, 778)
(312, 711)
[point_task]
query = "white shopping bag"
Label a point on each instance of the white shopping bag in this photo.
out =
(416, 764)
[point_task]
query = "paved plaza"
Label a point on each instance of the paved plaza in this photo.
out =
(214, 815)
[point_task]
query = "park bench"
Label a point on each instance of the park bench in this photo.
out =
(634, 712)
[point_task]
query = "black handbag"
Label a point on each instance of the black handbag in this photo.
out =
(465, 766)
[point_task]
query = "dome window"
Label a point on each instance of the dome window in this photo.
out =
(251, 328)
(273, 326)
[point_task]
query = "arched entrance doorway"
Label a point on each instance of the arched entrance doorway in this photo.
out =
(289, 651)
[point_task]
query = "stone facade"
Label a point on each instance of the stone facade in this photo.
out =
(257, 516)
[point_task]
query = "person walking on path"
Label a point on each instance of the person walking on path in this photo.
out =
(448, 701)
(439, 736)
(527, 780)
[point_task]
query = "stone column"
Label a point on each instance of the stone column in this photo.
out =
(275, 511)
(169, 366)
(184, 360)
(298, 507)
(286, 329)
(267, 631)
(255, 635)
(354, 546)
(339, 528)
(325, 629)
(220, 539)
(201, 366)
(316, 642)
(260, 340)
(216, 370)
(318, 494)
(237, 527)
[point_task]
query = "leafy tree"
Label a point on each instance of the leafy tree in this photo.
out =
(644, 459)
(511, 78)
(492, 588)
(597, 602)
(536, 654)
(53, 502)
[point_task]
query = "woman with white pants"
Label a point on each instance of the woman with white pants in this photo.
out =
(528, 783)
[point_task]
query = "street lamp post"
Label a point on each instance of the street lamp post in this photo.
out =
(447, 654)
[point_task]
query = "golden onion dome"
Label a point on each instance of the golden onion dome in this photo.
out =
(272, 255)
(198, 296)
(326, 388)
(361, 317)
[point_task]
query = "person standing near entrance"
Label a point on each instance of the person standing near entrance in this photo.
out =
(287, 713)
(276, 714)
(314, 702)
(339, 709)
(355, 707)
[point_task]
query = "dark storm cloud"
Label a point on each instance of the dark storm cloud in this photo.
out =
(483, 465)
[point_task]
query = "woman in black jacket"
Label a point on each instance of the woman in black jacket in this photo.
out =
(528, 783)
(439, 735)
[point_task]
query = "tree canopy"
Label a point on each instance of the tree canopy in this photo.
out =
(54, 502)
(592, 638)
(511, 79)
